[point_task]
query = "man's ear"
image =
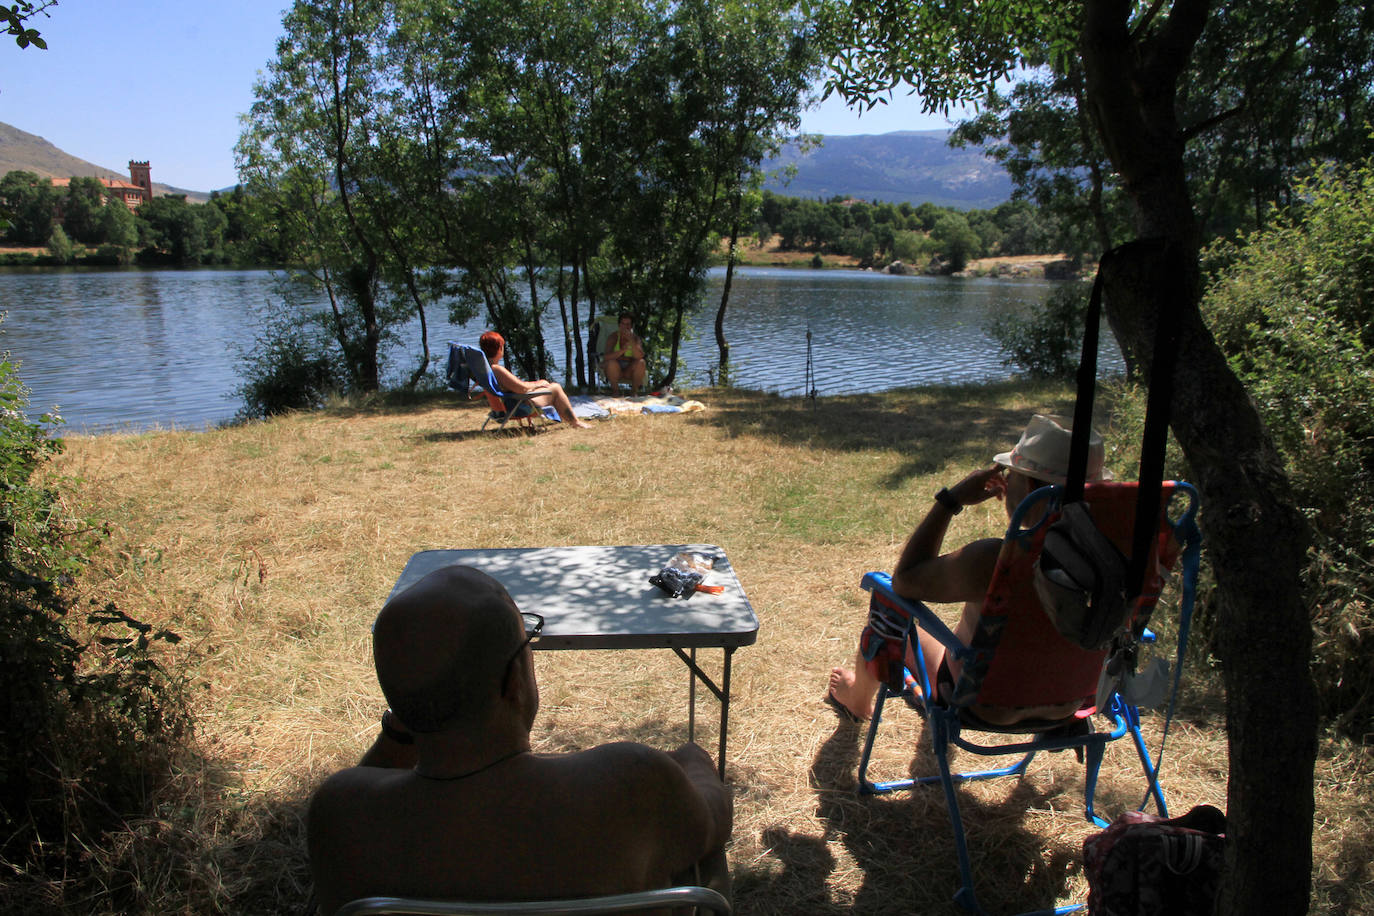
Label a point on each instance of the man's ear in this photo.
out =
(517, 675)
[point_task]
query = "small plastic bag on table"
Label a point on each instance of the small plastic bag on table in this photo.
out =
(684, 575)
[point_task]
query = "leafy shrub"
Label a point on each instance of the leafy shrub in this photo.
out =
(1048, 340)
(289, 368)
(1293, 308)
(112, 254)
(912, 247)
(60, 248)
(87, 709)
(957, 240)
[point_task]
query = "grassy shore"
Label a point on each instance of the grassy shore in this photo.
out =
(271, 546)
(753, 252)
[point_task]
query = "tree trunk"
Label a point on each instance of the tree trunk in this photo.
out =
(1256, 542)
(1255, 536)
(722, 345)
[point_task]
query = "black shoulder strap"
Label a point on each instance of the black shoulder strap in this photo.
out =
(1087, 387)
(1161, 392)
(1163, 361)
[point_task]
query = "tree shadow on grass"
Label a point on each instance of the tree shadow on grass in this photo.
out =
(469, 435)
(903, 845)
(933, 427)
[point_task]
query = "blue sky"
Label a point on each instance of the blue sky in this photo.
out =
(166, 80)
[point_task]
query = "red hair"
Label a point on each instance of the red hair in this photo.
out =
(491, 344)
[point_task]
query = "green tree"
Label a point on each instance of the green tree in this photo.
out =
(17, 14)
(28, 200)
(318, 153)
(617, 137)
(1271, 89)
(60, 248)
(118, 231)
(1041, 134)
(81, 207)
(1136, 61)
(956, 239)
(516, 158)
(913, 248)
(245, 238)
(1293, 307)
(1025, 229)
(171, 231)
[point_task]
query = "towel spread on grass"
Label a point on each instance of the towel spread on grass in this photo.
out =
(589, 407)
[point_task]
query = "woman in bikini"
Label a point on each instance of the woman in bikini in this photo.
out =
(624, 357)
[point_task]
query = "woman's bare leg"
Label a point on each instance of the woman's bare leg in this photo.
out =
(559, 400)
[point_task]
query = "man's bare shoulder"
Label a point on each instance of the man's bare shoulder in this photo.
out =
(620, 760)
(343, 791)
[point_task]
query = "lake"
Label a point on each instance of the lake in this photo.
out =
(141, 349)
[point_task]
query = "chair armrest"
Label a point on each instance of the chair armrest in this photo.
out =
(615, 903)
(925, 618)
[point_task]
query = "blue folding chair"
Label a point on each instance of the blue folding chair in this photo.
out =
(468, 368)
(1017, 658)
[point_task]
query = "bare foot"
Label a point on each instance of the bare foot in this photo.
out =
(842, 688)
(578, 424)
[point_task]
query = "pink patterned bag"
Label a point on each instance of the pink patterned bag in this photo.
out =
(1145, 865)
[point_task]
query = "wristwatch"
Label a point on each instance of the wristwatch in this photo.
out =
(949, 501)
(394, 733)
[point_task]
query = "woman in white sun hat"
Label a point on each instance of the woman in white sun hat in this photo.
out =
(962, 575)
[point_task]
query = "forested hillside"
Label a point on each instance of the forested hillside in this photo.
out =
(902, 167)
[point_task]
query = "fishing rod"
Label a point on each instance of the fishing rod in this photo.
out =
(810, 369)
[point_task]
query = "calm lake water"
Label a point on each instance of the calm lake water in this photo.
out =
(135, 349)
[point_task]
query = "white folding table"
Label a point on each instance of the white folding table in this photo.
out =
(601, 598)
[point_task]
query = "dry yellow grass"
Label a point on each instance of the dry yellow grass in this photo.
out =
(271, 546)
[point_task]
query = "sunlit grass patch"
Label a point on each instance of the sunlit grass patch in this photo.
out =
(273, 562)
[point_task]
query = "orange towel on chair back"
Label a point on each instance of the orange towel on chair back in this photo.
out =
(1033, 664)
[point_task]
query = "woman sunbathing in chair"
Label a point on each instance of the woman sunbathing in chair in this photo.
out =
(1041, 457)
(624, 357)
(494, 346)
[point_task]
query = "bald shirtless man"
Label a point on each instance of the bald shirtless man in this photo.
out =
(451, 803)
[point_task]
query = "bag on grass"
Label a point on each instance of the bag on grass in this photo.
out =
(1145, 865)
(1080, 578)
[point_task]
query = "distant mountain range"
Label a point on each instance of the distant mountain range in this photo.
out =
(31, 153)
(905, 166)
(910, 166)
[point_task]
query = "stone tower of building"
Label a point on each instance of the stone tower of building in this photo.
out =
(142, 175)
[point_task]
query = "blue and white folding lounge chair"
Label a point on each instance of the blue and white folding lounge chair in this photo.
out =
(468, 367)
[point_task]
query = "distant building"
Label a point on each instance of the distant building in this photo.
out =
(133, 192)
